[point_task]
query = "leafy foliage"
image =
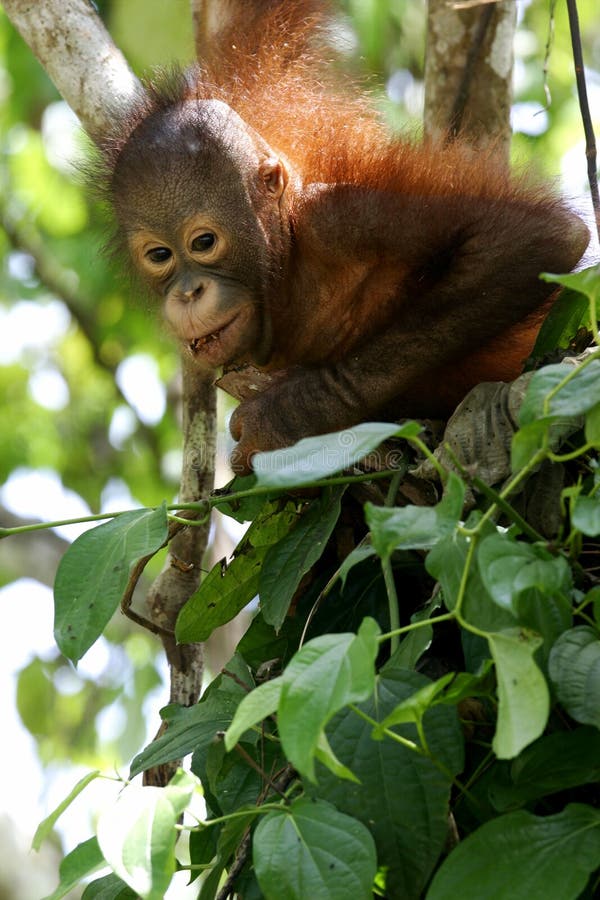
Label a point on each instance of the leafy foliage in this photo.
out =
(474, 715)
(357, 764)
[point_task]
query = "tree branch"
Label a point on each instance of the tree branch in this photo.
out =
(180, 576)
(72, 44)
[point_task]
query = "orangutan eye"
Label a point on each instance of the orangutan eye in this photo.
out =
(204, 242)
(159, 254)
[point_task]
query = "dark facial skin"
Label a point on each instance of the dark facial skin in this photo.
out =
(202, 230)
(375, 301)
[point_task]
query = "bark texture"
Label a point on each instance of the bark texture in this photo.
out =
(181, 572)
(468, 72)
(74, 47)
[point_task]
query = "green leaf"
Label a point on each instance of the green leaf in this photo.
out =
(508, 567)
(548, 615)
(414, 707)
(244, 509)
(230, 782)
(260, 644)
(326, 674)
(45, 827)
(137, 836)
(325, 755)
(587, 281)
(309, 849)
(592, 426)
(450, 689)
(409, 832)
(585, 515)
(555, 762)
(414, 644)
(523, 697)
(256, 706)
(360, 553)
(317, 457)
(543, 434)
(523, 857)
(527, 441)
(446, 561)
(415, 527)
(574, 669)
(93, 574)
(569, 312)
(575, 397)
(192, 728)
(180, 789)
(203, 848)
(467, 684)
(287, 561)
(593, 597)
(110, 887)
(83, 860)
(227, 590)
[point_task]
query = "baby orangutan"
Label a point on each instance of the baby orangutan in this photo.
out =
(283, 227)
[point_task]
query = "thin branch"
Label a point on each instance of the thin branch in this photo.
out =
(242, 853)
(548, 50)
(56, 279)
(588, 128)
(241, 857)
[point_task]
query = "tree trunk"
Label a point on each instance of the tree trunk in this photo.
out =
(468, 73)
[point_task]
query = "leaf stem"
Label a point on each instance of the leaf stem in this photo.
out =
(202, 506)
(41, 526)
(566, 457)
(240, 814)
(445, 617)
(390, 586)
(427, 453)
(410, 745)
(535, 460)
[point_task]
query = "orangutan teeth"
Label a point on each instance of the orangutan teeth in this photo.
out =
(200, 342)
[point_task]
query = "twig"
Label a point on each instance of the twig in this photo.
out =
(588, 128)
(269, 783)
(548, 50)
(243, 851)
(55, 278)
(241, 857)
(134, 577)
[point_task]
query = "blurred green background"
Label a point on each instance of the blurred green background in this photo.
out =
(87, 380)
